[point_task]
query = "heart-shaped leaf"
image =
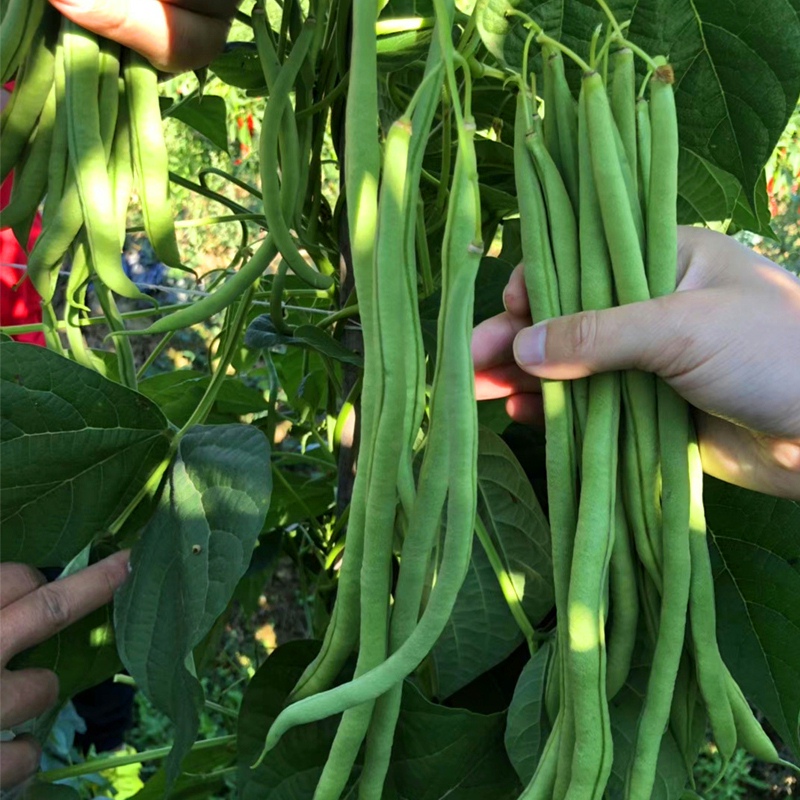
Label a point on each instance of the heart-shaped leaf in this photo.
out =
(187, 565)
(75, 449)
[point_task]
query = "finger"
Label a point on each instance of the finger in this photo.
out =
(174, 39)
(54, 606)
(19, 760)
(526, 409)
(26, 694)
(515, 295)
(17, 580)
(504, 381)
(659, 335)
(493, 340)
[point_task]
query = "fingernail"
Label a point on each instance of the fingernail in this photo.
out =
(529, 346)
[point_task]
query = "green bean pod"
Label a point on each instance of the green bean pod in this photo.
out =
(19, 27)
(362, 168)
(709, 665)
(424, 509)
(271, 190)
(567, 121)
(87, 156)
(624, 604)
(79, 276)
(677, 570)
(463, 219)
(586, 658)
(120, 165)
(394, 307)
(542, 784)
(550, 118)
(109, 92)
(150, 157)
(30, 176)
(542, 286)
(643, 136)
(623, 107)
(662, 204)
(19, 117)
(58, 162)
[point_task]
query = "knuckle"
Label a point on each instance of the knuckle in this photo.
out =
(55, 607)
(584, 333)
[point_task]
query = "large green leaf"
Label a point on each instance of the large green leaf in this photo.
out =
(756, 554)
(451, 753)
(75, 449)
(526, 726)
(187, 564)
(735, 64)
(291, 769)
(207, 114)
(481, 631)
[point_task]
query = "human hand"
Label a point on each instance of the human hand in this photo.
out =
(32, 610)
(175, 35)
(727, 341)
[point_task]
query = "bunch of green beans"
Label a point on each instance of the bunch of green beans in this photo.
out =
(395, 628)
(597, 189)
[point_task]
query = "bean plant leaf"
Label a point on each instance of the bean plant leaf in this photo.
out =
(735, 65)
(178, 393)
(526, 726)
(75, 449)
(290, 770)
(262, 334)
(452, 753)
(187, 565)
(481, 631)
(208, 115)
(756, 557)
(238, 65)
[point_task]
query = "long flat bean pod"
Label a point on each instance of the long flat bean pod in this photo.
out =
(150, 156)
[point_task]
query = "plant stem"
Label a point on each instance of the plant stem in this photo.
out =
(112, 762)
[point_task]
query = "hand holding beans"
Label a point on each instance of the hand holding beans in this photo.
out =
(175, 35)
(743, 379)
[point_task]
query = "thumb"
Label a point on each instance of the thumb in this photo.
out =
(651, 336)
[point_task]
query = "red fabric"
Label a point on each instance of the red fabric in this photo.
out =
(21, 306)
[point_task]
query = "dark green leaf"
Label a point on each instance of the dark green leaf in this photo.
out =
(756, 554)
(208, 115)
(262, 334)
(481, 631)
(735, 65)
(187, 564)
(297, 497)
(178, 393)
(451, 753)
(239, 66)
(75, 449)
(526, 727)
(709, 194)
(291, 770)
(315, 338)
